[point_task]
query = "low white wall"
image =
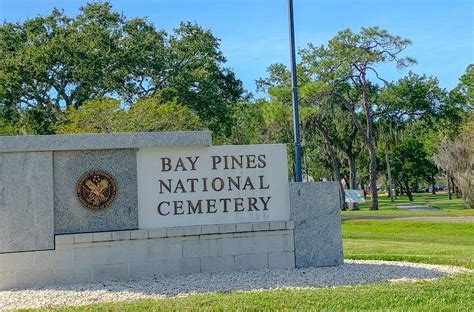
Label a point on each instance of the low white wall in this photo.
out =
(121, 255)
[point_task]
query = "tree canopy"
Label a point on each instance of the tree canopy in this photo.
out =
(50, 63)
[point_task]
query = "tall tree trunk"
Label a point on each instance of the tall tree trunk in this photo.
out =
(374, 204)
(369, 140)
(352, 179)
(408, 191)
(449, 186)
(433, 184)
(352, 172)
(455, 188)
(399, 188)
(332, 156)
(389, 173)
(363, 189)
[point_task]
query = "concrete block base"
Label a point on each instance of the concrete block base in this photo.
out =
(93, 257)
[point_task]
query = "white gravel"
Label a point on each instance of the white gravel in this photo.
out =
(352, 272)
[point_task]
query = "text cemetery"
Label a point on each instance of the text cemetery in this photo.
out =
(217, 184)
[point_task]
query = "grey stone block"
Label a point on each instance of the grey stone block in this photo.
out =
(129, 252)
(102, 141)
(289, 242)
(191, 266)
(7, 280)
(83, 238)
(244, 227)
(83, 257)
(157, 233)
(281, 260)
(60, 258)
(29, 278)
(277, 225)
(315, 211)
(235, 246)
(227, 228)
(173, 249)
(70, 216)
(209, 229)
(217, 264)
(102, 237)
(44, 277)
(219, 236)
(200, 248)
(26, 201)
(261, 226)
(173, 267)
(290, 225)
(16, 261)
(139, 234)
(120, 235)
(270, 243)
(175, 231)
(192, 230)
(157, 249)
(147, 268)
(64, 240)
(105, 272)
(251, 262)
(165, 249)
(72, 275)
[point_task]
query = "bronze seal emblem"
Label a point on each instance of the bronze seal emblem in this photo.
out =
(96, 190)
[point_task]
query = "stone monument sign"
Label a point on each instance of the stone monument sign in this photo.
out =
(86, 208)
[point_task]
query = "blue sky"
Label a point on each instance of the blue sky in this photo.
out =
(254, 33)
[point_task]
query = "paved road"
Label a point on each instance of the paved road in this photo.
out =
(416, 207)
(421, 218)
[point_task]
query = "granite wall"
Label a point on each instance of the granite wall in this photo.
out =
(38, 176)
(70, 216)
(26, 201)
(315, 210)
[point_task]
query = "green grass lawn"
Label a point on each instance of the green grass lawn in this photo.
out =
(415, 241)
(446, 294)
(453, 207)
(406, 240)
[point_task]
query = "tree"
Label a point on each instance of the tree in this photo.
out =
(102, 115)
(156, 114)
(413, 103)
(6, 128)
(339, 136)
(318, 113)
(409, 163)
(147, 115)
(457, 158)
(352, 58)
(466, 86)
(248, 125)
(51, 63)
(316, 116)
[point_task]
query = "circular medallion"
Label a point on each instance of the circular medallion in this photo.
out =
(96, 190)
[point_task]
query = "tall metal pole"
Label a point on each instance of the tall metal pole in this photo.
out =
(296, 122)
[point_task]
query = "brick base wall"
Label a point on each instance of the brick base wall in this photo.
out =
(121, 255)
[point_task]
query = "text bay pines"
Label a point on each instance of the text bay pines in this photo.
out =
(217, 184)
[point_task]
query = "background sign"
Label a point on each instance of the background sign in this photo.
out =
(212, 185)
(354, 196)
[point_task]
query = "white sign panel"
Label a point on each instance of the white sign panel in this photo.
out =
(212, 185)
(354, 196)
